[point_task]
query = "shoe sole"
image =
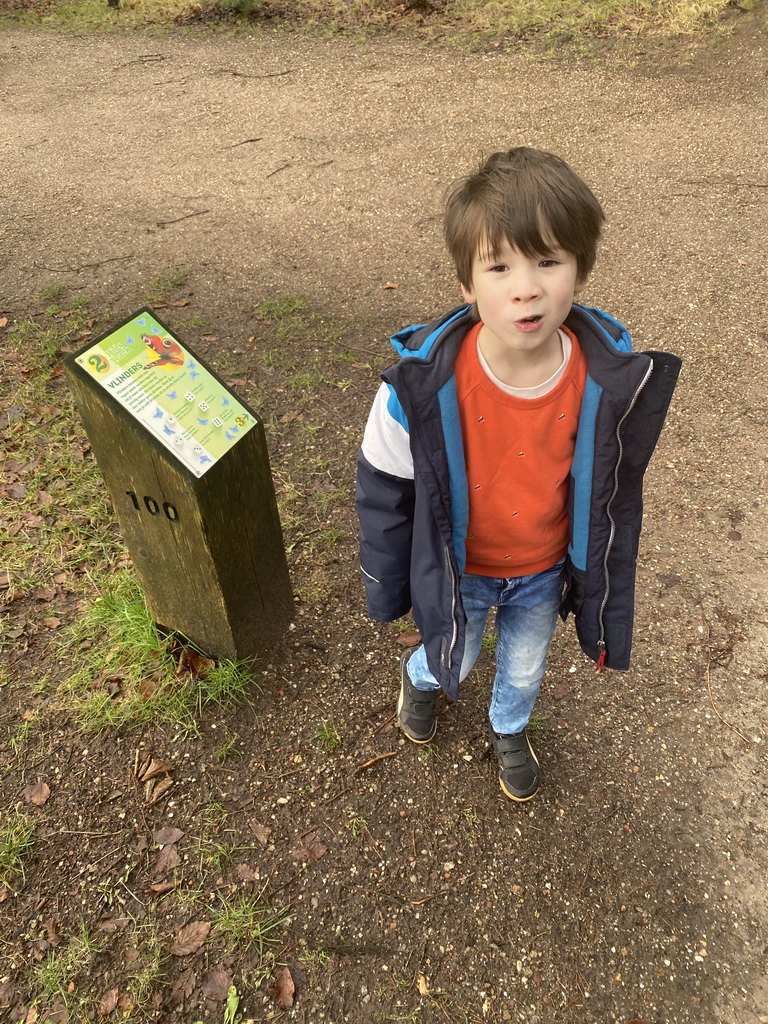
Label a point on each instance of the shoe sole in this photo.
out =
(520, 799)
(413, 739)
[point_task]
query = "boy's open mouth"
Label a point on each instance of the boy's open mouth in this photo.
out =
(529, 319)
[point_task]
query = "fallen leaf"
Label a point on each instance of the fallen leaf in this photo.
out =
(52, 622)
(160, 888)
(310, 849)
(215, 983)
(45, 593)
(159, 790)
(108, 1002)
(734, 535)
(190, 938)
(517, 890)
(125, 1003)
(3, 321)
(184, 985)
(155, 768)
(167, 835)
(246, 874)
(390, 284)
(409, 638)
(181, 302)
(262, 832)
(109, 925)
(284, 989)
(422, 985)
(167, 859)
(51, 932)
(37, 794)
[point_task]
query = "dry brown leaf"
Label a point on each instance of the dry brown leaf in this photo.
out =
(37, 794)
(284, 989)
(184, 985)
(167, 859)
(167, 835)
(160, 888)
(262, 832)
(154, 768)
(422, 985)
(108, 1002)
(51, 931)
(409, 638)
(390, 284)
(52, 622)
(3, 321)
(190, 938)
(114, 924)
(310, 849)
(246, 874)
(159, 790)
(215, 983)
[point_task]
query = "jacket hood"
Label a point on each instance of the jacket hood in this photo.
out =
(419, 340)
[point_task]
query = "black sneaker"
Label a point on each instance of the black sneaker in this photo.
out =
(416, 709)
(518, 766)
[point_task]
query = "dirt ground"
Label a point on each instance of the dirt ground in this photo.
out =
(632, 889)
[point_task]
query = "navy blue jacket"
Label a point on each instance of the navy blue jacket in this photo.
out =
(412, 495)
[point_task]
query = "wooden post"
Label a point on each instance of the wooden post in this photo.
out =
(186, 465)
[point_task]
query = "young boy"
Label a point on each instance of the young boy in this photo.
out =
(503, 458)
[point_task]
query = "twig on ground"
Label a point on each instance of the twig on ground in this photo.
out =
(277, 169)
(373, 760)
(244, 142)
(198, 213)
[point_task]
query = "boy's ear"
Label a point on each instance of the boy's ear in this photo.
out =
(468, 293)
(580, 286)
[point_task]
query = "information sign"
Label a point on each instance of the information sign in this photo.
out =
(160, 383)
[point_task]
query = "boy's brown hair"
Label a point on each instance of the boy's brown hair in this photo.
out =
(528, 197)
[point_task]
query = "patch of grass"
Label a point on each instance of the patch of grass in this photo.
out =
(140, 662)
(428, 752)
(245, 922)
(165, 284)
(538, 724)
(314, 957)
(57, 975)
(356, 825)
(328, 737)
(489, 642)
(16, 840)
(228, 748)
(552, 24)
(307, 380)
(56, 511)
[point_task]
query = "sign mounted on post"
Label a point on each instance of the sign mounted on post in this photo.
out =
(162, 385)
(186, 465)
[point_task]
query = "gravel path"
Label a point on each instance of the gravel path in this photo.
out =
(266, 165)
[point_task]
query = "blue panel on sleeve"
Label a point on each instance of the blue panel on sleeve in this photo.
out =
(581, 473)
(395, 410)
(454, 446)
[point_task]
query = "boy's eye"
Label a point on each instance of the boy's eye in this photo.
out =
(498, 268)
(550, 262)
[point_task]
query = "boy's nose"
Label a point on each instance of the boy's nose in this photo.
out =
(524, 287)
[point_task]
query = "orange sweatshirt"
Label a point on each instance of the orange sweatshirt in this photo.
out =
(518, 455)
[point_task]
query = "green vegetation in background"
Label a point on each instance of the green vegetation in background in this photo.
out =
(545, 24)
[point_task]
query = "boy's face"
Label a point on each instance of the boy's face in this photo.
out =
(522, 300)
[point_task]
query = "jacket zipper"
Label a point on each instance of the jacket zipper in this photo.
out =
(455, 633)
(599, 665)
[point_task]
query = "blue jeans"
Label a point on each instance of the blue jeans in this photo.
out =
(525, 621)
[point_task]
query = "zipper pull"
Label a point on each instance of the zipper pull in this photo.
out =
(600, 663)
